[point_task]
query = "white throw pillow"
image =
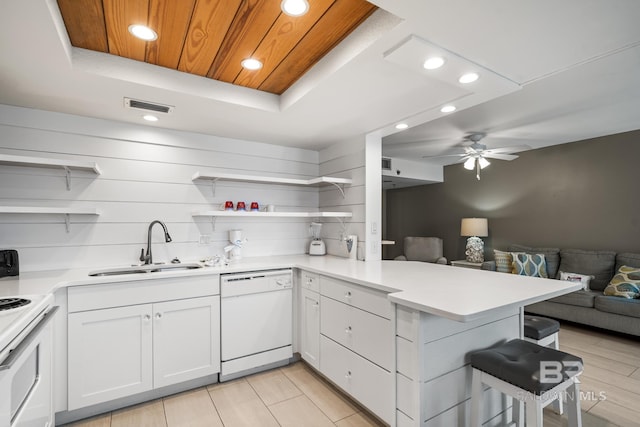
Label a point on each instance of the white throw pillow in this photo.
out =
(576, 277)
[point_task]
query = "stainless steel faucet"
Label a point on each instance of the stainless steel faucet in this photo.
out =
(148, 258)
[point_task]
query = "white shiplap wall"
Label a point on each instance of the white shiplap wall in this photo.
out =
(147, 175)
(344, 160)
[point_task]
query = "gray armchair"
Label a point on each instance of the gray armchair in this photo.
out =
(425, 249)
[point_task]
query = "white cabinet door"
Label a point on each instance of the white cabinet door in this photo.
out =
(186, 340)
(310, 334)
(109, 354)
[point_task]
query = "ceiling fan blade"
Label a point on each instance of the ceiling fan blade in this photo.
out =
(445, 155)
(509, 150)
(499, 156)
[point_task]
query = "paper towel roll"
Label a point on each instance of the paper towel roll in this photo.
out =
(352, 246)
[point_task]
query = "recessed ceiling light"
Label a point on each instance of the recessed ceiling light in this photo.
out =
(294, 7)
(402, 126)
(143, 32)
(448, 109)
(251, 64)
(468, 78)
(150, 118)
(433, 63)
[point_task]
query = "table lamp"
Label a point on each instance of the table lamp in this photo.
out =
(474, 228)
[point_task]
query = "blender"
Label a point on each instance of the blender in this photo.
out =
(316, 247)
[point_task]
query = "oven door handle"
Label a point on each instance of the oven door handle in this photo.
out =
(16, 352)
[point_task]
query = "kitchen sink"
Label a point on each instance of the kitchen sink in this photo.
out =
(144, 269)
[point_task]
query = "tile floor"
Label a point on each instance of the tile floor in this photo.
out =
(289, 396)
(295, 396)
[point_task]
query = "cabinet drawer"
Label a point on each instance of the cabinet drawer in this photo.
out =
(364, 381)
(310, 281)
(364, 333)
(116, 294)
(375, 302)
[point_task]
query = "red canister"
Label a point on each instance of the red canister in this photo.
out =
(228, 205)
(254, 206)
(241, 206)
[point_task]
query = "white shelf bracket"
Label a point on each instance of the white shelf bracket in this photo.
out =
(68, 176)
(67, 222)
(213, 186)
(339, 187)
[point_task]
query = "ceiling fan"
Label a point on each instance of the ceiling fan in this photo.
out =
(475, 155)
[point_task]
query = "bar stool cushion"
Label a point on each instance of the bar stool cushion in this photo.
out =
(536, 327)
(518, 363)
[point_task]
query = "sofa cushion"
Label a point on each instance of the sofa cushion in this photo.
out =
(575, 277)
(578, 298)
(533, 265)
(616, 305)
(599, 264)
(551, 256)
(503, 260)
(629, 259)
(626, 283)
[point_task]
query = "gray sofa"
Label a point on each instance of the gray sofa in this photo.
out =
(590, 307)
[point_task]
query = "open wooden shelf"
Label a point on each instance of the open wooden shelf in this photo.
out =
(47, 210)
(42, 162)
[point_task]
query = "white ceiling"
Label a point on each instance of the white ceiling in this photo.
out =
(551, 72)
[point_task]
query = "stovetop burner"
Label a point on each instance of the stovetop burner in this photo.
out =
(10, 303)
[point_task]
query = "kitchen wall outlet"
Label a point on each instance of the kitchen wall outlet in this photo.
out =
(205, 239)
(374, 227)
(374, 247)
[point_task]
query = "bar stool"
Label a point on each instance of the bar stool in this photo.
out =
(532, 374)
(543, 331)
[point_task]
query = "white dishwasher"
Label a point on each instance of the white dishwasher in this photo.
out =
(256, 316)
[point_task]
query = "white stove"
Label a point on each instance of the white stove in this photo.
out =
(25, 360)
(16, 320)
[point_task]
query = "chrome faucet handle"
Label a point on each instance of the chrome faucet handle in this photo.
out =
(142, 257)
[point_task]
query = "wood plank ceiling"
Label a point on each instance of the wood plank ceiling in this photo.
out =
(210, 38)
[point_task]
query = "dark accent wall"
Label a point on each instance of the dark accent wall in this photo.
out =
(583, 195)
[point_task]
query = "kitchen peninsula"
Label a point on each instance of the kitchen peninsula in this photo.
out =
(410, 326)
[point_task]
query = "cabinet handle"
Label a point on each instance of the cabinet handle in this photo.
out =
(348, 330)
(147, 317)
(158, 315)
(348, 376)
(316, 304)
(347, 294)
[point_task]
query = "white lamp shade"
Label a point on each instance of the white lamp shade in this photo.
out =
(483, 162)
(470, 164)
(474, 227)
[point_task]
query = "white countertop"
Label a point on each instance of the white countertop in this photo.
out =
(455, 293)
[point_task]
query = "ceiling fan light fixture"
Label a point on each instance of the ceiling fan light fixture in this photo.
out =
(251, 64)
(468, 78)
(470, 164)
(433, 63)
(448, 109)
(294, 7)
(483, 162)
(143, 32)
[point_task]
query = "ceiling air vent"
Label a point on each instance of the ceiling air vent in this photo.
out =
(386, 164)
(147, 106)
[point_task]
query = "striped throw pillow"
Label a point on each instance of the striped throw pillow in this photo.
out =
(504, 261)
